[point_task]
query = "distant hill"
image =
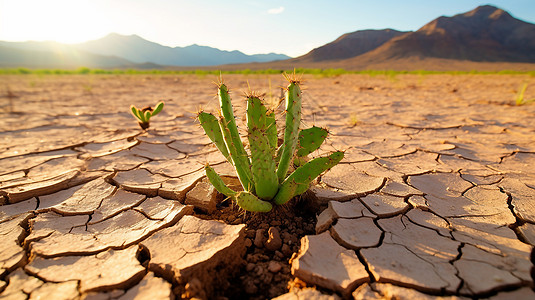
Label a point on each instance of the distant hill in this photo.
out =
(350, 45)
(132, 51)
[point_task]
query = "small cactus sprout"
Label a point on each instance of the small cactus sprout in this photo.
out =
(263, 173)
(144, 114)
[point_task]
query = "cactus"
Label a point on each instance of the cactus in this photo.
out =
(144, 114)
(264, 175)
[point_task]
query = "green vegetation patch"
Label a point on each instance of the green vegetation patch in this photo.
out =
(319, 72)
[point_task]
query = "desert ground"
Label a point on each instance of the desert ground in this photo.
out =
(435, 198)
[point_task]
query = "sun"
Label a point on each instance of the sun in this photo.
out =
(53, 20)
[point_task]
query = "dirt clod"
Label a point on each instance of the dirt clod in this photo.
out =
(260, 238)
(274, 241)
(274, 267)
(286, 250)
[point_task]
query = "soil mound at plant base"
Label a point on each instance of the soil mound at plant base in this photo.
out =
(271, 240)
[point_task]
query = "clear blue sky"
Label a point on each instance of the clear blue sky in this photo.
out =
(251, 26)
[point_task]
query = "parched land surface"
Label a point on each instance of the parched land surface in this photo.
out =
(435, 196)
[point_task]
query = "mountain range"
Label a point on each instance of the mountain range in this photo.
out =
(120, 51)
(483, 34)
(486, 38)
(475, 39)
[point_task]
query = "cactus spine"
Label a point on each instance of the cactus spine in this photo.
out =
(264, 175)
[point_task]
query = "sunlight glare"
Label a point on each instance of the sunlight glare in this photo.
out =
(53, 20)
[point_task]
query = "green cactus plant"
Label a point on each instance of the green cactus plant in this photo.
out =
(264, 174)
(143, 115)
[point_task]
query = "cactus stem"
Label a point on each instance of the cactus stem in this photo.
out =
(263, 168)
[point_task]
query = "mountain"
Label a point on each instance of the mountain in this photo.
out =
(138, 50)
(350, 45)
(121, 51)
(485, 34)
(62, 58)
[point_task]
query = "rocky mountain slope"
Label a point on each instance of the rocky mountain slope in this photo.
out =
(350, 45)
(486, 33)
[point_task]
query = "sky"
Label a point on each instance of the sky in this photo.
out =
(251, 26)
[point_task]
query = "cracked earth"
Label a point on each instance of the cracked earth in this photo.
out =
(435, 197)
